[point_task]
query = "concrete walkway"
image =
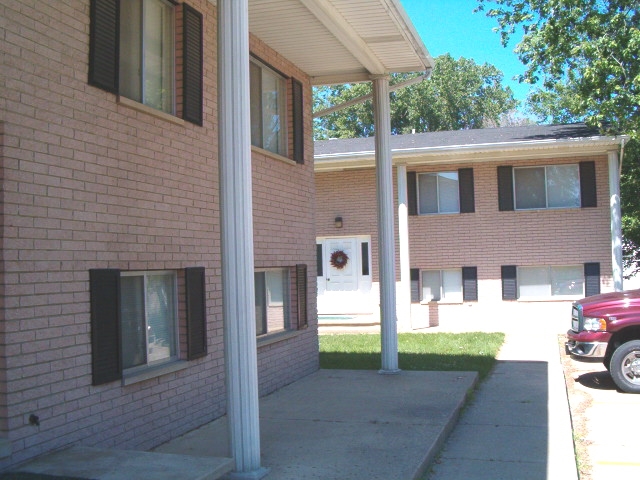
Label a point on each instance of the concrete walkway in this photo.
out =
(345, 424)
(519, 424)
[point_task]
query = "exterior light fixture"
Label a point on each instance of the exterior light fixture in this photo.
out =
(337, 222)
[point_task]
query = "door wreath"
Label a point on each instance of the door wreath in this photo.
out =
(339, 259)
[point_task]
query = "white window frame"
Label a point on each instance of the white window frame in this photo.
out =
(438, 176)
(454, 297)
(284, 302)
(546, 187)
(283, 123)
(174, 356)
(549, 271)
(139, 93)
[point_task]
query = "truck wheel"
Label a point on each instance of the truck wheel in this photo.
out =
(625, 366)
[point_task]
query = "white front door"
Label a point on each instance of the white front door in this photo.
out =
(345, 287)
(341, 276)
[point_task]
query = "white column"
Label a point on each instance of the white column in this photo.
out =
(616, 220)
(386, 246)
(237, 238)
(404, 294)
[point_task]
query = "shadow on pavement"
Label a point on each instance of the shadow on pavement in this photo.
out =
(597, 380)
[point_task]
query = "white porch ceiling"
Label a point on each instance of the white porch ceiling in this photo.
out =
(340, 41)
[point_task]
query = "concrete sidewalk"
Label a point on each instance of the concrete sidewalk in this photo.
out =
(519, 424)
(333, 424)
(346, 424)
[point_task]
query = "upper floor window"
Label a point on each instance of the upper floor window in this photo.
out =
(441, 192)
(268, 108)
(554, 186)
(438, 193)
(147, 53)
(132, 53)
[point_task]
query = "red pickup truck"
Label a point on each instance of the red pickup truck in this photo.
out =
(607, 326)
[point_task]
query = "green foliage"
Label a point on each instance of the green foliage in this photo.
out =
(583, 51)
(630, 202)
(583, 54)
(472, 351)
(460, 94)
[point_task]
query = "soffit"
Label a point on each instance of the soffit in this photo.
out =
(339, 41)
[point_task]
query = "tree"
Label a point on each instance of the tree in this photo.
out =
(460, 94)
(585, 51)
(583, 55)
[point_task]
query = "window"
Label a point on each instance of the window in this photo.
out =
(547, 282)
(543, 282)
(442, 285)
(268, 109)
(555, 186)
(147, 53)
(272, 301)
(148, 318)
(139, 63)
(441, 192)
(438, 193)
(135, 321)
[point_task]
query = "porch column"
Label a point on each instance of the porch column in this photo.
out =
(616, 220)
(404, 295)
(237, 238)
(386, 245)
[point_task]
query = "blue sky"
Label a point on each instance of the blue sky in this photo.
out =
(450, 26)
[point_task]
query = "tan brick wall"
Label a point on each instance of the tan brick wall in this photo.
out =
(486, 239)
(89, 183)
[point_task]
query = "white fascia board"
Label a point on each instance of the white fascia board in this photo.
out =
(397, 11)
(525, 150)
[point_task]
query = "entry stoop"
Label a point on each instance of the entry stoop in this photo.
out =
(107, 464)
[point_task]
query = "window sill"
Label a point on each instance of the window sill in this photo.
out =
(565, 298)
(132, 104)
(271, 338)
(153, 372)
(275, 156)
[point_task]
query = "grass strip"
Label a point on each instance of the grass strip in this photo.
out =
(469, 351)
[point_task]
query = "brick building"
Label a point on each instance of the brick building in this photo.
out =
(489, 223)
(155, 249)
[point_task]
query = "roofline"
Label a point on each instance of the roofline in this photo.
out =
(522, 150)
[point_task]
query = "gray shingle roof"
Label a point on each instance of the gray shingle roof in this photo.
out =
(483, 136)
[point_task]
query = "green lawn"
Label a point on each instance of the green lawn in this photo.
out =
(473, 351)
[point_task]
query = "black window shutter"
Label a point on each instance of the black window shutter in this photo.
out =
(298, 121)
(588, 195)
(415, 285)
(466, 190)
(104, 44)
(364, 246)
(104, 290)
(196, 312)
(301, 292)
(470, 284)
(591, 279)
(319, 259)
(412, 193)
(192, 65)
(509, 282)
(505, 188)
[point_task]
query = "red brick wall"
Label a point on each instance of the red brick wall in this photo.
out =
(87, 183)
(486, 239)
